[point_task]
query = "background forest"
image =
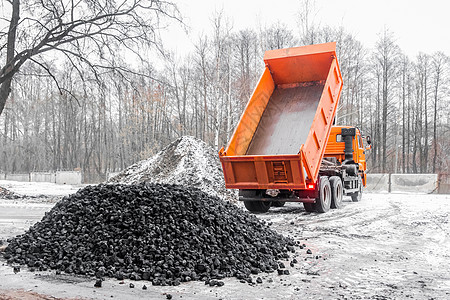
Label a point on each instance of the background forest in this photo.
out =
(402, 102)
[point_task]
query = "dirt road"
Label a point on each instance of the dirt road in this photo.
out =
(389, 246)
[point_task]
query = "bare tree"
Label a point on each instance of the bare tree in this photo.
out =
(277, 36)
(404, 84)
(439, 62)
(87, 32)
(309, 30)
(386, 54)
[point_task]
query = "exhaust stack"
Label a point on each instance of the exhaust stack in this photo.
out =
(348, 134)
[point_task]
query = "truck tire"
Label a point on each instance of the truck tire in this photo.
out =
(337, 191)
(309, 207)
(257, 206)
(356, 197)
(323, 202)
(278, 203)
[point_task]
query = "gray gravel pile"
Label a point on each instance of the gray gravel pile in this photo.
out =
(7, 194)
(187, 161)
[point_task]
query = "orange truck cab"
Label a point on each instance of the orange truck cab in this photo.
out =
(285, 147)
(336, 146)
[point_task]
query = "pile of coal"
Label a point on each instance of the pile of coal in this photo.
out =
(187, 161)
(7, 194)
(163, 233)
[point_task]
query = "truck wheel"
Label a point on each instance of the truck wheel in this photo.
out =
(278, 203)
(337, 192)
(323, 203)
(356, 197)
(309, 207)
(257, 206)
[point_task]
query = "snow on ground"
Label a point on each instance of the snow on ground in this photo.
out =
(388, 246)
(31, 200)
(37, 189)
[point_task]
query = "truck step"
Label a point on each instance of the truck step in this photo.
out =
(279, 172)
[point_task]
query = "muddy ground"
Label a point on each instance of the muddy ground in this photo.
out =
(389, 246)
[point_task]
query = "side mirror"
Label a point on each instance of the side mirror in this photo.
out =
(368, 140)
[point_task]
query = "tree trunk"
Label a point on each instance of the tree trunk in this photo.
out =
(403, 113)
(5, 87)
(424, 160)
(384, 117)
(408, 137)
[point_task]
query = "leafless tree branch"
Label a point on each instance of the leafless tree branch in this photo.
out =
(50, 25)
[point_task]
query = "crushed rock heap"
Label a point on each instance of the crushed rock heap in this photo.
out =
(187, 161)
(7, 194)
(163, 233)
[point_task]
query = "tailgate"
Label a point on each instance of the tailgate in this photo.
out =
(265, 171)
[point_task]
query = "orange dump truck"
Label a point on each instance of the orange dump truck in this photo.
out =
(285, 147)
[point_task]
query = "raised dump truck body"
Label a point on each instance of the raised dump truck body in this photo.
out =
(277, 148)
(286, 122)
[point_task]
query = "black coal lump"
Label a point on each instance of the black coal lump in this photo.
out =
(166, 234)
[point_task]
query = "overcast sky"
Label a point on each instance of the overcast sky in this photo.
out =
(417, 25)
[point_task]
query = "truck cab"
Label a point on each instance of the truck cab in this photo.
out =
(336, 146)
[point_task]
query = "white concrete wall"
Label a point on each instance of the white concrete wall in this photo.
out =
(414, 183)
(42, 177)
(68, 177)
(377, 183)
(18, 177)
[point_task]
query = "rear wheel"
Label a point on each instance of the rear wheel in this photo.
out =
(337, 191)
(257, 206)
(356, 197)
(309, 207)
(278, 203)
(323, 202)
